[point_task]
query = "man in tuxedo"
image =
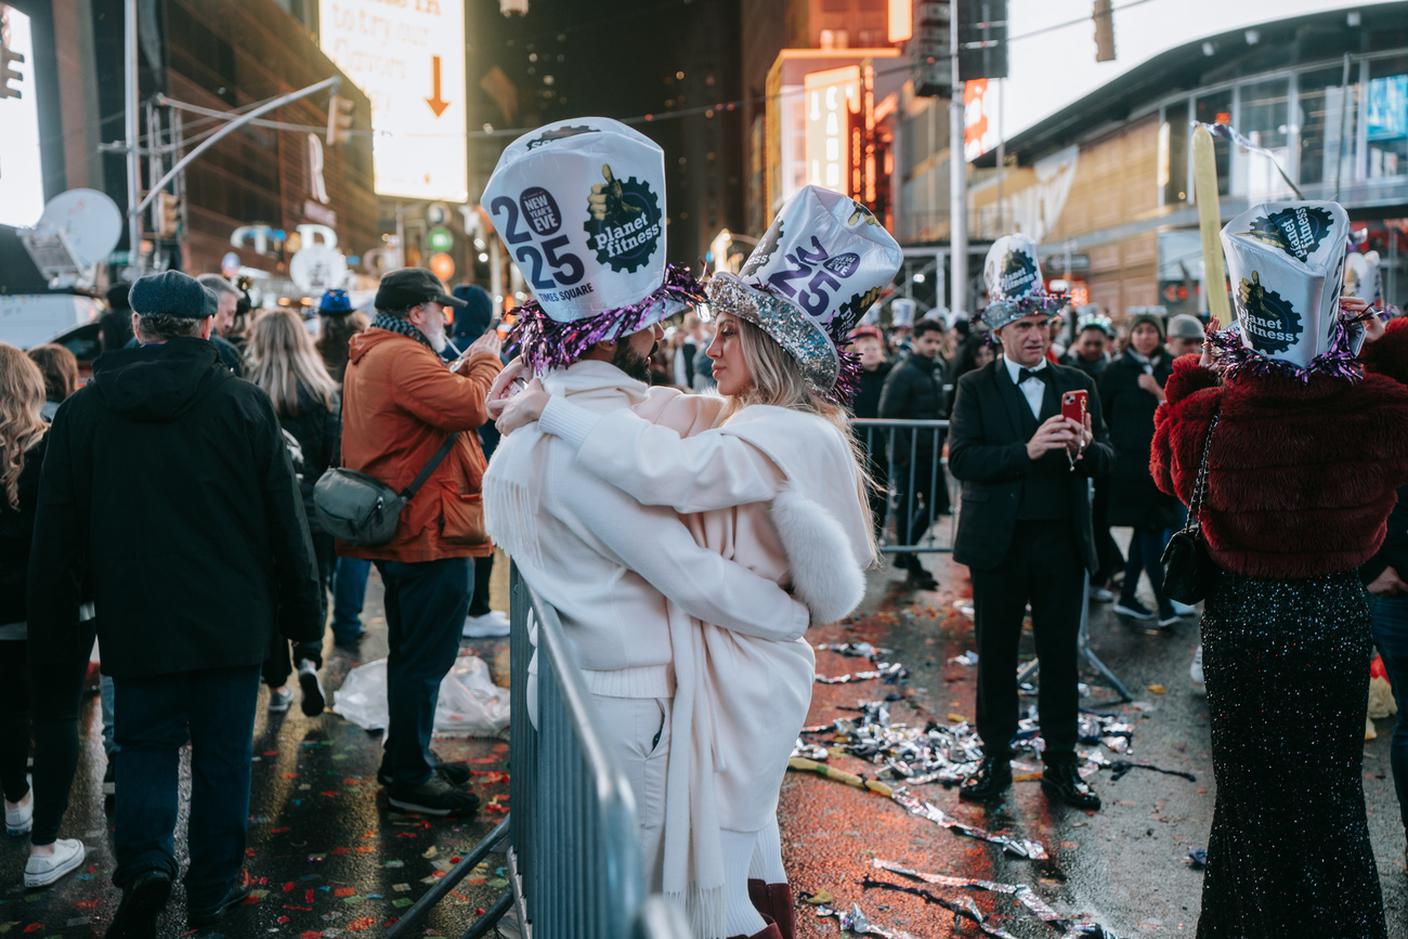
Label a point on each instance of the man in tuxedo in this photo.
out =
(1025, 533)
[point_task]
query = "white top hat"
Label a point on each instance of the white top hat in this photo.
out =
(822, 263)
(1284, 262)
(1015, 286)
(580, 205)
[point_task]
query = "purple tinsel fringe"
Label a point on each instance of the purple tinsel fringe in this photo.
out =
(849, 369)
(1234, 359)
(546, 343)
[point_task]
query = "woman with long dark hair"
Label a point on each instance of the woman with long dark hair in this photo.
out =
(283, 362)
(1131, 387)
(1303, 446)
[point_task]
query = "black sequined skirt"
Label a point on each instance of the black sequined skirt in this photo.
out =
(1287, 669)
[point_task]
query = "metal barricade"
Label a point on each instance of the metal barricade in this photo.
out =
(573, 852)
(906, 459)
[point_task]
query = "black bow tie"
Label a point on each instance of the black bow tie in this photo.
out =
(1024, 373)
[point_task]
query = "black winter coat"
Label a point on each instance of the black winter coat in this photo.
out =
(867, 400)
(1129, 413)
(1394, 551)
(16, 533)
(318, 430)
(915, 391)
(167, 480)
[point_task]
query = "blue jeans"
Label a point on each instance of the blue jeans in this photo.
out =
(105, 696)
(1390, 617)
(349, 592)
(1146, 548)
(425, 608)
(214, 709)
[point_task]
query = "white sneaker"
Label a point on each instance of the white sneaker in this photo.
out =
(280, 699)
(1183, 609)
(1195, 672)
(492, 625)
(19, 816)
(1101, 594)
(41, 870)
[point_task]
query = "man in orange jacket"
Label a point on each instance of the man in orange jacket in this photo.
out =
(400, 403)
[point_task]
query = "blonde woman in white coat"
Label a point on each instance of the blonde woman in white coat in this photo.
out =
(775, 487)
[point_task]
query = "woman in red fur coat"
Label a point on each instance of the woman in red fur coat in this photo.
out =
(1303, 468)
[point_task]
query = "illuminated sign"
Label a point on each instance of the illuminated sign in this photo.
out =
(832, 96)
(408, 58)
(21, 175)
(901, 20)
(975, 118)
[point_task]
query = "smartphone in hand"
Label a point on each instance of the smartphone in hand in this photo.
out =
(1074, 405)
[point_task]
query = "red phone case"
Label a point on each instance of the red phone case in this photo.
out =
(1073, 405)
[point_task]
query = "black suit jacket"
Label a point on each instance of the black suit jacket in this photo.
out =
(988, 452)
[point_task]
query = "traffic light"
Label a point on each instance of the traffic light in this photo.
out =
(340, 114)
(1104, 18)
(9, 58)
(167, 223)
(982, 39)
(929, 49)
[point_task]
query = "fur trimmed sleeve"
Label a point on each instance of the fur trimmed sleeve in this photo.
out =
(1188, 377)
(1177, 420)
(1389, 356)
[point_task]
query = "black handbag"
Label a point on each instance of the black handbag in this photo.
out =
(361, 510)
(1188, 570)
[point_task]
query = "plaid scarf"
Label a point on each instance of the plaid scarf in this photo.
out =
(396, 324)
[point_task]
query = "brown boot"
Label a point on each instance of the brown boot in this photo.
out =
(778, 907)
(768, 932)
(758, 893)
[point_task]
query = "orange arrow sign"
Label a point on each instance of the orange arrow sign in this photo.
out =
(437, 103)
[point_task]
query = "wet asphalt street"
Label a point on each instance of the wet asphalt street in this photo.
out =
(1124, 867)
(330, 860)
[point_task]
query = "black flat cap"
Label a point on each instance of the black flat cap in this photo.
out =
(412, 286)
(172, 293)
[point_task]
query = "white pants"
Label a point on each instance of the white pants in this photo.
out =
(637, 733)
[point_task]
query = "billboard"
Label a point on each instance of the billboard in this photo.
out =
(832, 97)
(408, 58)
(21, 173)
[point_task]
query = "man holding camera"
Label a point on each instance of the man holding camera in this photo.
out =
(1025, 525)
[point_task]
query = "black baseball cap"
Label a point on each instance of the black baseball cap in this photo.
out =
(412, 286)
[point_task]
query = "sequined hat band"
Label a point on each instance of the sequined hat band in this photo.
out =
(829, 371)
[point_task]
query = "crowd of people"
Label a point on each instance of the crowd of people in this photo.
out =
(675, 468)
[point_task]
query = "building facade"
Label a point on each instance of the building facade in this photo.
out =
(1105, 184)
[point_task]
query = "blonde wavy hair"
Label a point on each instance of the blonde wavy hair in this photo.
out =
(21, 423)
(282, 359)
(776, 379)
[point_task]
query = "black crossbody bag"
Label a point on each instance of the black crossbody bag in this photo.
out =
(362, 510)
(1188, 569)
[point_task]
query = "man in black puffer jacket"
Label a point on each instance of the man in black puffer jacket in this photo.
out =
(168, 483)
(915, 391)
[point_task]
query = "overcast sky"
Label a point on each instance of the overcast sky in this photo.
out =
(1049, 71)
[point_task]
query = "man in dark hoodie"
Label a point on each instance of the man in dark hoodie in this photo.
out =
(168, 486)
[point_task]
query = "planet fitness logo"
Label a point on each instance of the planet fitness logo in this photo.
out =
(766, 248)
(1271, 323)
(1018, 274)
(623, 222)
(1297, 231)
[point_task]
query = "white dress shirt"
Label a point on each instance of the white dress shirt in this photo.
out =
(1033, 389)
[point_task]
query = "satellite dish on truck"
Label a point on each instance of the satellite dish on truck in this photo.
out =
(90, 222)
